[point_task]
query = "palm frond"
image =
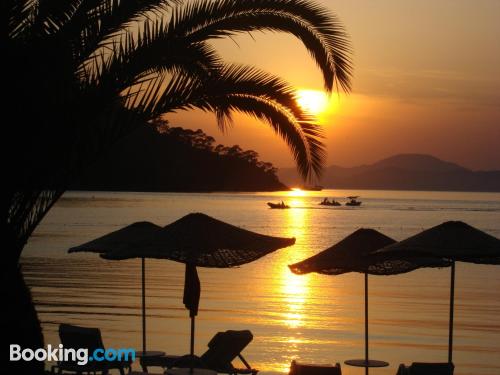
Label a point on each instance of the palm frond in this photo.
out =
(51, 15)
(134, 57)
(319, 30)
(125, 12)
(17, 16)
(97, 22)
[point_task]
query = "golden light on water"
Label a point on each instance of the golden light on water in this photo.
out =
(296, 217)
(297, 192)
(295, 288)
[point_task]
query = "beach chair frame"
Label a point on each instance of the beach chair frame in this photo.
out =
(78, 337)
(223, 348)
(427, 368)
(298, 368)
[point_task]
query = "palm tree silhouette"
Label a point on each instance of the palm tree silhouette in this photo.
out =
(81, 74)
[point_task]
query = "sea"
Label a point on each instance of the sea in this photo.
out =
(311, 318)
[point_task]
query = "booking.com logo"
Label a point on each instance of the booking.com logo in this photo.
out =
(62, 354)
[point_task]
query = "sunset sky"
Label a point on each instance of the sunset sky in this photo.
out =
(426, 80)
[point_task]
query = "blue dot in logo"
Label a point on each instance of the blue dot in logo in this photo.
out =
(91, 358)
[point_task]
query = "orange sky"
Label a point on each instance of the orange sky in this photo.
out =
(426, 80)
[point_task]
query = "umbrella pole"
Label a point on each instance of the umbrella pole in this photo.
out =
(143, 266)
(452, 307)
(191, 347)
(366, 322)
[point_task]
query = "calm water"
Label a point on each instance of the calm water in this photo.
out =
(313, 318)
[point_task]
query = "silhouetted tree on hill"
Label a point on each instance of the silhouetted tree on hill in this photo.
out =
(177, 159)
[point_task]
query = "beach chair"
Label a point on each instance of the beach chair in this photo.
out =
(424, 368)
(297, 368)
(223, 349)
(76, 337)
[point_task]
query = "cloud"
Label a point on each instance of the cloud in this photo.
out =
(451, 86)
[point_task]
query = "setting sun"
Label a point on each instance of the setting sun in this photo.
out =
(313, 101)
(318, 103)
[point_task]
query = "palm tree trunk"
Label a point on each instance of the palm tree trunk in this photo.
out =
(21, 213)
(20, 324)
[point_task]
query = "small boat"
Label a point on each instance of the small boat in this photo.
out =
(280, 205)
(312, 188)
(326, 202)
(353, 201)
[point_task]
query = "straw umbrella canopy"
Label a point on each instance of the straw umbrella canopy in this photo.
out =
(355, 254)
(134, 236)
(453, 241)
(199, 240)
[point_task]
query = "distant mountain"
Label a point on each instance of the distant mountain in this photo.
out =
(162, 158)
(403, 172)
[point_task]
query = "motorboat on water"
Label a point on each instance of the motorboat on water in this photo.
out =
(353, 201)
(326, 202)
(280, 205)
(312, 188)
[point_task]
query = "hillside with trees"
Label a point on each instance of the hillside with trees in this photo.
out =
(164, 158)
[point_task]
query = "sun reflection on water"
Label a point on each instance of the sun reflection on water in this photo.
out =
(294, 288)
(297, 192)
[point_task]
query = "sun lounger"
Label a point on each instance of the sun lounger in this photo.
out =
(76, 337)
(423, 368)
(297, 368)
(223, 348)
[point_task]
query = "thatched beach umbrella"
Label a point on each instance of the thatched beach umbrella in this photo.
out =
(453, 241)
(134, 236)
(353, 254)
(200, 240)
